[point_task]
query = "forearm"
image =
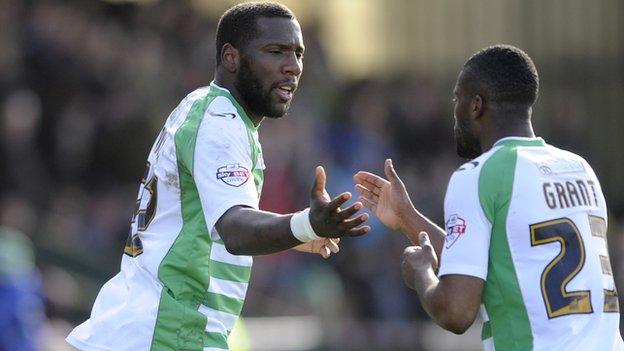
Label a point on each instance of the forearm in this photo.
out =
(452, 301)
(415, 222)
(247, 231)
(426, 285)
(443, 310)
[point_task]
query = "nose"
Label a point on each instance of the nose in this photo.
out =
(293, 65)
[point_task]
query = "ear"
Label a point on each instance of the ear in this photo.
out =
(477, 106)
(230, 58)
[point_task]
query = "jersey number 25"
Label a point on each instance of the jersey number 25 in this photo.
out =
(567, 264)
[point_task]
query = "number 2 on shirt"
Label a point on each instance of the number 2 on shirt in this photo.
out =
(566, 265)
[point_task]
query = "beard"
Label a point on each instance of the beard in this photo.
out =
(467, 144)
(257, 99)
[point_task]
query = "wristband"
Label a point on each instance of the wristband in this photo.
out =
(301, 227)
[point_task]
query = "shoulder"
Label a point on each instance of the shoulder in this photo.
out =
(197, 94)
(567, 155)
(212, 108)
(551, 160)
(487, 178)
(573, 162)
(210, 123)
(464, 182)
(218, 120)
(471, 170)
(222, 107)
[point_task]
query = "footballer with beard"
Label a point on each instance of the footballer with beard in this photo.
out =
(188, 257)
(525, 231)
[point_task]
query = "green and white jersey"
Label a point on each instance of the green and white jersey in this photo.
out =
(179, 288)
(531, 221)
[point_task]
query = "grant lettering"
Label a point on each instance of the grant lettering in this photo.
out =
(569, 194)
(549, 196)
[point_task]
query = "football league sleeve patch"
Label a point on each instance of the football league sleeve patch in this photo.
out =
(223, 166)
(467, 242)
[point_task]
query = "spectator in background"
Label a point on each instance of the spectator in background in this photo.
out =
(21, 298)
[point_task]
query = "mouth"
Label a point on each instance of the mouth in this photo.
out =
(285, 91)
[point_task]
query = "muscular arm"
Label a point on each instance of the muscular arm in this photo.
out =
(246, 231)
(453, 300)
(415, 222)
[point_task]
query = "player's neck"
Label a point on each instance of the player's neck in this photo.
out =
(495, 133)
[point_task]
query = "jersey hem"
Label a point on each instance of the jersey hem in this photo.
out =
(85, 346)
(219, 212)
(472, 271)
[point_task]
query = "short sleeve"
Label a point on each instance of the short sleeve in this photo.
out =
(222, 167)
(466, 248)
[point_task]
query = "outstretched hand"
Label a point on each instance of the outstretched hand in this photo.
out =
(326, 216)
(388, 199)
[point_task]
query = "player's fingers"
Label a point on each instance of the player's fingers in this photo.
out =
(366, 192)
(332, 245)
(359, 231)
(366, 177)
(320, 180)
(423, 239)
(372, 187)
(368, 203)
(410, 251)
(325, 252)
(349, 211)
(425, 243)
(337, 201)
(351, 223)
(391, 174)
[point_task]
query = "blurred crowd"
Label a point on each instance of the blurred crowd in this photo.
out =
(84, 88)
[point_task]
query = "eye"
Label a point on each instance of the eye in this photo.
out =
(275, 52)
(299, 55)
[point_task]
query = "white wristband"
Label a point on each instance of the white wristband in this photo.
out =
(301, 227)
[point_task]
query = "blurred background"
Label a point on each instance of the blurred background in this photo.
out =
(85, 87)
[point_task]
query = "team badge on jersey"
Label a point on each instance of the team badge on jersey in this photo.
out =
(233, 175)
(455, 228)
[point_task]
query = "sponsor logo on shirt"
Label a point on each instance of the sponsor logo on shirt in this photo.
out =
(455, 228)
(223, 114)
(558, 166)
(233, 175)
(550, 165)
(469, 165)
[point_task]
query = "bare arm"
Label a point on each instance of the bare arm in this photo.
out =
(451, 301)
(391, 203)
(247, 231)
(415, 222)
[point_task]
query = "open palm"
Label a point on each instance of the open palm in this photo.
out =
(388, 199)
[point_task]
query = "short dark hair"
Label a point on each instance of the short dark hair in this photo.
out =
(238, 26)
(505, 74)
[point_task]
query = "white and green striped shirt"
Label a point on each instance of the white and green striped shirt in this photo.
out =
(531, 221)
(179, 288)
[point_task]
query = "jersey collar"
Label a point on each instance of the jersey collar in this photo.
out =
(520, 141)
(241, 111)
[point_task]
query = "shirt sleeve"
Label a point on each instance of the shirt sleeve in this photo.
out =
(468, 230)
(223, 166)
